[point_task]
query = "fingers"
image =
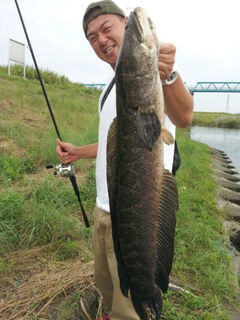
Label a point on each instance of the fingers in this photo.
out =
(61, 144)
(166, 59)
(62, 152)
(65, 158)
(59, 148)
(67, 152)
(167, 47)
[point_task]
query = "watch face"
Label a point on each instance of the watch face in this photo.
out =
(173, 76)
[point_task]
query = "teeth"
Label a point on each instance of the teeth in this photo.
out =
(108, 49)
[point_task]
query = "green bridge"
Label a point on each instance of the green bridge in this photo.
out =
(231, 87)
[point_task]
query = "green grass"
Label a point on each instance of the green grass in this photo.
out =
(40, 212)
(201, 262)
(215, 119)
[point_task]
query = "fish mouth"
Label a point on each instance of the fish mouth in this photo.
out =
(135, 20)
(142, 24)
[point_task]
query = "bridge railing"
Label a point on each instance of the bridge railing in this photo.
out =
(199, 87)
(215, 87)
(95, 85)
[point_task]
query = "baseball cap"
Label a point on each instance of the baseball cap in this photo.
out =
(95, 9)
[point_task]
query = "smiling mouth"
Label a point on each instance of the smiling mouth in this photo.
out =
(109, 49)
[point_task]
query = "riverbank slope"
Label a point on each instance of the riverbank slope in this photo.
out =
(45, 249)
(217, 119)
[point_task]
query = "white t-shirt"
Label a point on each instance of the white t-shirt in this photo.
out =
(107, 114)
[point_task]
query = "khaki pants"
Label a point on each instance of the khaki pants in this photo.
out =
(105, 269)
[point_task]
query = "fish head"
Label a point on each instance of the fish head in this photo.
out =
(137, 63)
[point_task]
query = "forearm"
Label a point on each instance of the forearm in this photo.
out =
(178, 103)
(88, 151)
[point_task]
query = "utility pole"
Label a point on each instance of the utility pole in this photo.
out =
(227, 105)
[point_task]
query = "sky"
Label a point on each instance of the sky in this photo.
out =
(205, 33)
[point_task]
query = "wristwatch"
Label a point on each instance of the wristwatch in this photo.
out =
(171, 79)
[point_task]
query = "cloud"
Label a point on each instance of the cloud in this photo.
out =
(205, 34)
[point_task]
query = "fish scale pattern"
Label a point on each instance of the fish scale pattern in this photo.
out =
(142, 195)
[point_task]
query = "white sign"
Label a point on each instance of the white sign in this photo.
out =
(16, 53)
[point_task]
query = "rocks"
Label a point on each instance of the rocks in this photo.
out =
(228, 200)
(228, 180)
(229, 195)
(231, 209)
(228, 176)
(228, 184)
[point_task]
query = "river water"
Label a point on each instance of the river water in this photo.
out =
(224, 139)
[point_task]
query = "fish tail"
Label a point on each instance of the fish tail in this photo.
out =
(148, 309)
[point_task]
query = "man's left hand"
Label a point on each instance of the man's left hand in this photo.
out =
(166, 59)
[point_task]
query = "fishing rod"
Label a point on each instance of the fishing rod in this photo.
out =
(65, 170)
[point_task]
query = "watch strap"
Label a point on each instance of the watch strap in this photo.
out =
(173, 77)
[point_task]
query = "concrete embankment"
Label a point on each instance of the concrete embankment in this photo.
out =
(228, 200)
(228, 180)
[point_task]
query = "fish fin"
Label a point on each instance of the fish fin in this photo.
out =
(111, 163)
(167, 136)
(111, 181)
(166, 230)
(148, 309)
(148, 127)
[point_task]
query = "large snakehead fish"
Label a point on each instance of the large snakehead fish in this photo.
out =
(143, 195)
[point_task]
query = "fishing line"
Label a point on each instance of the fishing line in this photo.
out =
(81, 137)
(65, 170)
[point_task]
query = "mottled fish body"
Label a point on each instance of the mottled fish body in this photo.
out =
(143, 196)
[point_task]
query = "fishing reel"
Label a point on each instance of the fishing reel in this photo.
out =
(64, 170)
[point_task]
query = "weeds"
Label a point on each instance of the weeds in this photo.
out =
(217, 119)
(40, 217)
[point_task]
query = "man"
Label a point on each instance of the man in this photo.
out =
(104, 25)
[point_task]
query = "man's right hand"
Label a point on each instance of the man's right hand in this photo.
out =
(67, 152)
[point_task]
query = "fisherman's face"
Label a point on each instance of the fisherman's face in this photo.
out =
(105, 34)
